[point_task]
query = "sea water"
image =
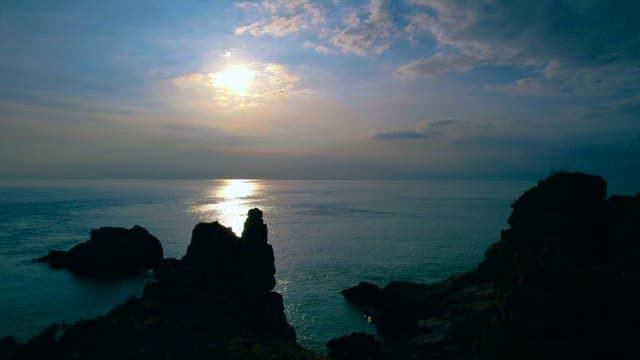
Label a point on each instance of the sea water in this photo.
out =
(327, 236)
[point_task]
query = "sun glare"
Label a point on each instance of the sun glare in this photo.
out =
(236, 79)
(229, 203)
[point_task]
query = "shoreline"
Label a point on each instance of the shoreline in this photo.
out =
(475, 294)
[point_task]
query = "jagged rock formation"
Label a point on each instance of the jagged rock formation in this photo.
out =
(111, 253)
(218, 265)
(219, 262)
(558, 284)
(215, 303)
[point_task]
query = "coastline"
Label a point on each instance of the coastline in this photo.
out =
(449, 319)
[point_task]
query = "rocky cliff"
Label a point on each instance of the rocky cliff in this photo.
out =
(558, 284)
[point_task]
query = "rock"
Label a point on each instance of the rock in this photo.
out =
(9, 347)
(364, 294)
(111, 253)
(219, 266)
(216, 302)
(399, 305)
(559, 227)
(570, 274)
(218, 262)
(357, 346)
(255, 230)
(560, 283)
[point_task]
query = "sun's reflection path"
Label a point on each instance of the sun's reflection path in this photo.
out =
(230, 202)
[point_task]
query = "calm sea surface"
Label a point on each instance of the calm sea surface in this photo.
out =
(327, 235)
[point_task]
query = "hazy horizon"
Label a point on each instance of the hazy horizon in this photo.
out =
(379, 89)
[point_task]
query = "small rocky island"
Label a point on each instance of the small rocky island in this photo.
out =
(111, 253)
(559, 284)
(215, 303)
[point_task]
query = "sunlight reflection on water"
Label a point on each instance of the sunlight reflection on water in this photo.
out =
(230, 202)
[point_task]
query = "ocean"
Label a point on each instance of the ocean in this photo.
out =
(327, 236)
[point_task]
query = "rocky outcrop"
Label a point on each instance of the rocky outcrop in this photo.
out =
(357, 346)
(364, 294)
(558, 284)
(111, 253)
(218, 262)
(216, 303)
(420, 321)
(561, 274)
(222, 267)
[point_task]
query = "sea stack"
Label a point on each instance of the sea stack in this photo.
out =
(216, 303)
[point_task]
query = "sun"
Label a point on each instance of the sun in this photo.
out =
(235, 79)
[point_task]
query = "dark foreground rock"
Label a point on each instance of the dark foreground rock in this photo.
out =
(111, 253)
(364, 294)
(215, 303)
(559, 284)
(357, 346)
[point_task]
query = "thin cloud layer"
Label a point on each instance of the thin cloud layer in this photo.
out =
(372, 35)
(587, 48)
(266, 83)
(438, 64)
(422, 130)
(366, 30)
(399, 134)
(285, 17)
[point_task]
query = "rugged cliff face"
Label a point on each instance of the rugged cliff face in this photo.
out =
(216, 302)
(558, 284)
(561, 272)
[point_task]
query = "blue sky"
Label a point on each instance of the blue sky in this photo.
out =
(407, 89)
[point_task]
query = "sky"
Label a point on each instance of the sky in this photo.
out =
(380, 89)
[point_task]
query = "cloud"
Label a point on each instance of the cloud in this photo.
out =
(268, 82)
(558, 79)
(423, 129)
(399, 134)
(364, 31)
(374, 35)
(437, 124)
(628, 107)
(190, 80)
(317, 47)
(278, 27)
(247, 5)
(436, 65)
(284, 18)
(417, 24)
(573, 47)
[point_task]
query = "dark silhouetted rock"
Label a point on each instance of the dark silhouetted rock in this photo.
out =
(111, 253)
(218, 262)
(558, 230)
(214, 303)
(364, 294)
(255, 230)
(357, 346)
(9, 347)
(560, 283)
